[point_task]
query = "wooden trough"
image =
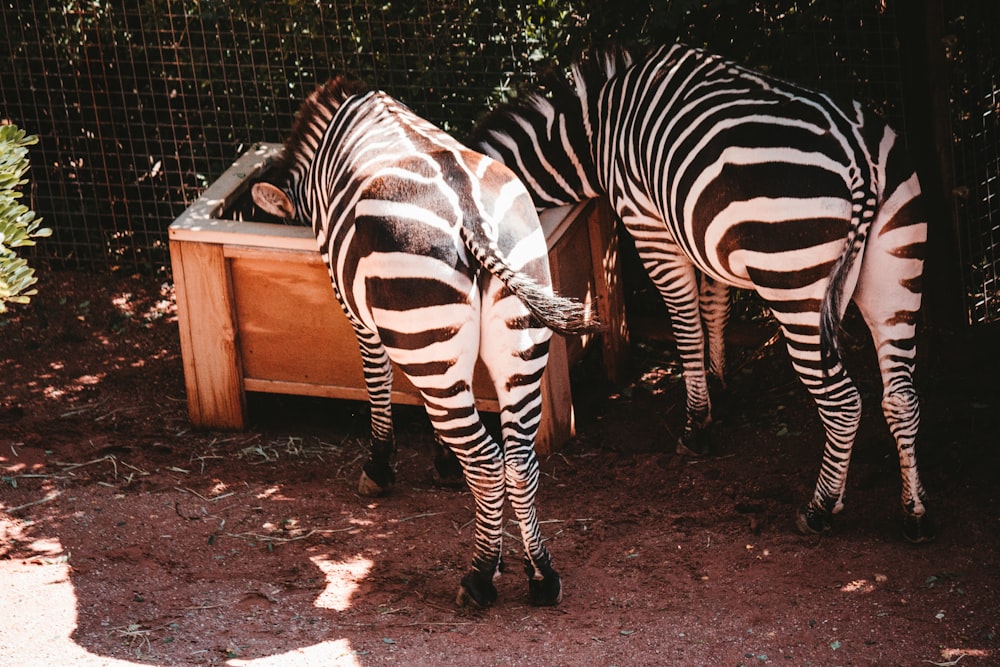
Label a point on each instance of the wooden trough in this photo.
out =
(257, 312)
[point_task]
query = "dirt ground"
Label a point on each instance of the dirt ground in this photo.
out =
(128, 538)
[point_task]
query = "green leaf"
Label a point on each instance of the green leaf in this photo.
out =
(19, 226)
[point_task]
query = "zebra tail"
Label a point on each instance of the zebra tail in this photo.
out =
(832, 308)
(562, 314)
(830, 319)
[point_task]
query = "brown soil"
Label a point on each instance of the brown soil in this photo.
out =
(128, 538)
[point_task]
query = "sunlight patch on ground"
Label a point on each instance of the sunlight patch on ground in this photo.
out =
(341, 581)
(39, 606)
(864, 585)
(337, 653)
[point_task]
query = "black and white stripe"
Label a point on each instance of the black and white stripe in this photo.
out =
(735, 178)
(438, 259)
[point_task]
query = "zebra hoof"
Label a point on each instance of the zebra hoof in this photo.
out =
(545, 592)
(918, 529)
(476, 590)
(448, 471)
(693, 443)
(811, 521)
(375, 484)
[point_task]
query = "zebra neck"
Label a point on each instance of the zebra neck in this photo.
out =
(362, 134)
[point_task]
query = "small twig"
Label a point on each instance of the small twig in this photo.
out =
(112, 413)
(205, 498)
(205, 606)
(36, 475)
(81, 409)
(431, 603)
(49, 498)
(419, 516)
(757, 354)
(138, 470)
(73, 466)
(691, 462)
(272, 538)
(417, 624)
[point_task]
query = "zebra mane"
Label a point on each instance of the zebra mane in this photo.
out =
(545, 132)
(314, 115)
(554, 87)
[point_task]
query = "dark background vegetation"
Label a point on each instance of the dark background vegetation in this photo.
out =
(139, 106)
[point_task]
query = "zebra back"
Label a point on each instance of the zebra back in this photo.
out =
(564, 139)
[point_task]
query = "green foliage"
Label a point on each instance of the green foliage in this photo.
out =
(19, 227)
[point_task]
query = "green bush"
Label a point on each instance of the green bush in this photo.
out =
(18, 225)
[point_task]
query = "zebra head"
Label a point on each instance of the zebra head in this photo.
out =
(284, 193)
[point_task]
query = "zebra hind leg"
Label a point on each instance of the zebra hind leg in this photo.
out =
(521, 476)
(459, 427)
(839, 404)
(902, 413)
(889, 297)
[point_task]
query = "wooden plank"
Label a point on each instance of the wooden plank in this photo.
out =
(346, 393)
(610, 293)
(568, 240)
(558, 421)
(212, 369)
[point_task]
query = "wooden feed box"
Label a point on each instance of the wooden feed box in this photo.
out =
(257, 312)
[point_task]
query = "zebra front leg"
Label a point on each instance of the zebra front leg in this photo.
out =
(447, 469)
(379, 472)
(714, 302)
(680, 292)
(675, 279)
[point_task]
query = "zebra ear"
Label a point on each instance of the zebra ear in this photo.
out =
(273, 200)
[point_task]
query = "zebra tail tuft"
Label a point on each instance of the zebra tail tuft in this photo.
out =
(561, 314)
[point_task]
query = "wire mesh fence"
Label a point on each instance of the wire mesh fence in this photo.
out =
(139, 106)
(975, 120)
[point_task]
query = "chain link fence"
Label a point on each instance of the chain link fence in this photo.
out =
(140, 105)
(971, 42)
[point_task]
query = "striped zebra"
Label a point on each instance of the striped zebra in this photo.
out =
(437, 257)
(753, 182)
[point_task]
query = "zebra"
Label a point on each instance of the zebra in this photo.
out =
(437, 257)
(754, 182)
